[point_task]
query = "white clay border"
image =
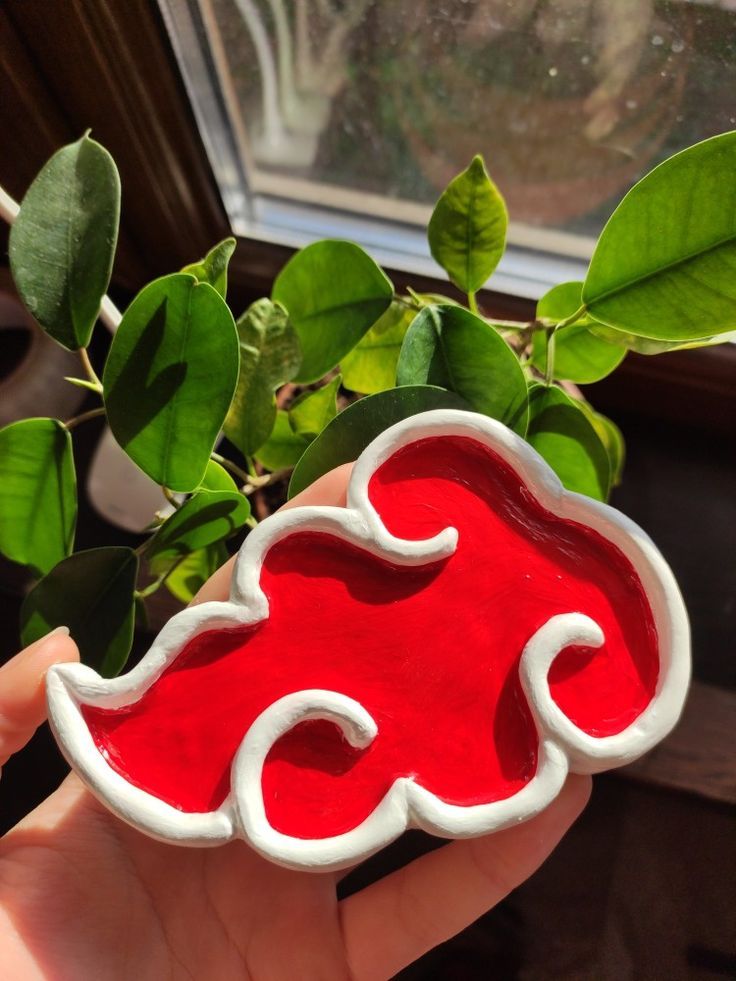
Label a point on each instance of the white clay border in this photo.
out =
(563, 746)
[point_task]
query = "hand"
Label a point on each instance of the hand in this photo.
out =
(83, 896)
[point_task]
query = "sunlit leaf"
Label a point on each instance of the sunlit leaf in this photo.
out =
(270, 356)
(169, 378)
(205, 518)
(192, 572)
(283, 447)
(467, 230)
(334, 292)
(665, 264)
(63, 241)
(311, 412)
(450, 347)
(216, 478)
(560, 431)
(612, 438)
(371, 366)
(645, 345)
(213, 268)
(353, 429)
(580, 355)
(91, 593)
(38, 493)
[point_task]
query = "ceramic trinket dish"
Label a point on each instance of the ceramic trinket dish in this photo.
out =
(439, 654)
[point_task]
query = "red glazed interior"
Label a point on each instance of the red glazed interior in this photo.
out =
(431, 652)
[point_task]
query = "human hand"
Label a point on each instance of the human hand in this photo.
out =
(84, 896)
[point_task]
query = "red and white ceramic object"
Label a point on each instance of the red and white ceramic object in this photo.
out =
(439, 654)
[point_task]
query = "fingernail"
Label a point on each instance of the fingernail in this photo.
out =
(56, 632)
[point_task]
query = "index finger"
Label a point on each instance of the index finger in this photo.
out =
(330, 489)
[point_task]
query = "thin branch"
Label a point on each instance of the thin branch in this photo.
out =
(83, 417)
(170, 497)
(89, 370)
(232, 467)
(258, 483)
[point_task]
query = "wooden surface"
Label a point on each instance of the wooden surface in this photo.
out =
(699, 756)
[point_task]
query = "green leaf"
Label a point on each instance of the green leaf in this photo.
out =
(216, 478)
(560, 431)
(665, 264)
(38, 493)
(580, 355)
(353, 429)
(270, 355)
(185, 581)
(63, 241)
(310, 413)
(91, 593)
(169, 378)
(612, 438)
(207, 517)
(450, 347)
(467, 230)
(645, 345)
(371, 366)
(283, 447)
(213, 268)
(333, 292)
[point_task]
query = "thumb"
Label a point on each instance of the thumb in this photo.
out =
(22, 695)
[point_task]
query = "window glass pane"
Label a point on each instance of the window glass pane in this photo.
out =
(369, 107)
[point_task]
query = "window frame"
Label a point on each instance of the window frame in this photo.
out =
(65, 67)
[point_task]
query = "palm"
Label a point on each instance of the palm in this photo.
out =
(83, 896)
(121, 905)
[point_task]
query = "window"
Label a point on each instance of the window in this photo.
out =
(347, 117)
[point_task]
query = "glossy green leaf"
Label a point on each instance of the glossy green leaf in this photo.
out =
(334, 292)
(371, 366)
(213, 268)
(63, 241)
(283, 447)
(560, 431)
(38, 493)
(665, 264)
(580, 355)
(613, 440)
(467, 230)
(216, 478)
(310, 413)
(207, 517)
(353, 429)
(561, 302)
(645, 345)
(185, 581)
(450, 347)
(90, 592)
(270, 355)
(169, 378)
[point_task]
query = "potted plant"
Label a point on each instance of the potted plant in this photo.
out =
(302, 380)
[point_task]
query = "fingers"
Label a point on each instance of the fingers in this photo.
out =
(329, 489)
(22, 696)
(396, 920)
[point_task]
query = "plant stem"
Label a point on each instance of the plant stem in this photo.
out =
(572, 318)
(549, 371)
(90, 371)
(170, 497)
(259, 482)
(550, 335)
(83, 417)
(232, 467)
(472, 302)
